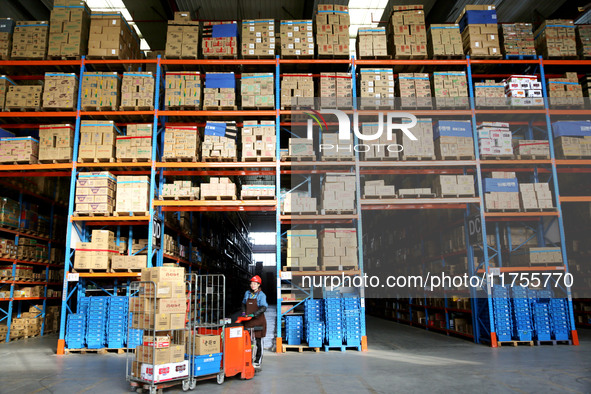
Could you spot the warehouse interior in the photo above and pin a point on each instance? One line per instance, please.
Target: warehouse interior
(181, 143)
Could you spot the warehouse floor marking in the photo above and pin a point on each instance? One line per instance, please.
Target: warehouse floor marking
(414, 359)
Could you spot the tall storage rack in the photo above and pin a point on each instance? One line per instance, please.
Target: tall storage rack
(277, 168)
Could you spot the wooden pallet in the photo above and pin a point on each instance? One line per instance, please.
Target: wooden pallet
(498, 157)
(342, 348)
(138, 108)
(515, 343)
(178, 198)
(58, 109)
(457, 195)
(299, 348)
(539, 209)
(257, 197)
(92, 214)
(339, 267)
(97, 351)
(220, 108)
(300, 213)
(418, 158)
(55, 161)
(376, 107)
(338, 211)
(382, 57)
(410, 57)
(90, 270)
(573, 157)
(532, 157)
(186, 159)
(95, 160)
(235, 57)
(448, 57)
(125, 269)
(472, 56)
(310, 268)
(260, 159)
(332, 56)
(22, 109)
(337, 158)
(220, 159)
(17, 162)
(520, 57)
(136, 213)
(99, 108)
(297, 56)
(378, 197)
(218, 198)
(298, 158)
(554, 342)
(182, 108)
(503, 210)
(258, 57)
(384, 158)
(261, 108)
(408, 195)
(448, 157)
(133, 159)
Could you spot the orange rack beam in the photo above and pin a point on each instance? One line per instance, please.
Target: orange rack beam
(519, 214)
(527, 269)
(110, 274)
(575, 199)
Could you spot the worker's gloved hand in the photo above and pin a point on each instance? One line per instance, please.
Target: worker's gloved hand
(251, 315)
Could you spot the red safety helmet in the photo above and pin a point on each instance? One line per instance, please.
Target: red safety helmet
(257, 279)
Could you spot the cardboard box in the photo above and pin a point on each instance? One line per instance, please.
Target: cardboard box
(112, 37)
(207, 344)
(556, 38)
(182, 38)
(407, 32)
(100, 90)
(60, 90)
(296, 38)
(445, 40)
(183, 89)
(137, 90)
(30, 39)
(257, 90)
(297, 90)
(220, 39)
(518, 39)
(371, 42)
(164, 372)
(24, 96)
(69, 30)
(164, 274)
(332, 27)
(56, 142)
(377, 88)
(19, 149)
(258, 38)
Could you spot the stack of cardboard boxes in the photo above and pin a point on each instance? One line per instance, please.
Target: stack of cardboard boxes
(332, 148)
(531, 149)
(518, 39)
(137, 90)
(97, 140)
(220, 91)
(69, 26)
(299, 202)
(132, 194)
(128, 262)
(5, 83)
(565, 91)
(60, 91)
(535, 196)
(96, 254)
(423, 146)
(335, 90)
(29, 324)
(9, 212)
(8, 247)
(301, 147)
(182, 37)
(572, 139)
(29, 40)
(180, 189)
(339, 248)
(100, 90)
(220, 39)
(332, 30)
(111, 36)
(95, 193)
(297, 38)
(524, 90)
(257, 192)
(378, 189)
(219, 142)
(453, 140)
(494, 139)
(480, 33)
(454, 185)
(302, 249)
(163, 358)
(450, 89)
(490, 93)
(56, 142)
(218, 187)
(382, 148)
(258, 140)
(137, 144)
(297, 90)
(181, 142)
(445, 40)
(183, 90)
(414, 90)
(6, 30)
(501, 192)
(377, 88)
(407, 32)
(583, 41)
(258, 38)
(372, 42)
(19, 150)
(338, 192)
(530, 256)
(257, 90)
(24, 96)
(556, 38)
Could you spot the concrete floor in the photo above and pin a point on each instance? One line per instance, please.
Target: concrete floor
(401, 359)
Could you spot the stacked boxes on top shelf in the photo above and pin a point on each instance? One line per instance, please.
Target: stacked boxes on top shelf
(181, 143)
(333, 315)
(256, 90)
(352, 321)
(335, 90)
(332, 30)
(96, 322)
(314, 322)
(97, 140)
(95, 193)
(56, 142)
(407, 32)
(182, 37)
(450, 89)
(494, 139)
(258, 140)
(219, 143)
(220, 91)
(339, 248)
(294, 329)
(454, 140)
(302, 249)
(518, 40)
(100, 90)
(299, 202)
(6, 31)
(535, 196)
(220, 39)
(338, 193)
(382, 148)
(112, 37)
(136, 145)
(501, 192)
(258, 38)
(24, 97)
(556, 38)
(414, 90)
(183, 90)
(76, 331)
(565, 91)
(445, 40)
(502, 313)
(297, 90)
(19, 150)
(132, 195)
(117, 322)
(423, 146)
(218, 188)
(29, 40)
(583, 41)
(572, 139)
(372, 43)
(69, 26)
(480, 33)
(523, 328)
(137, 91)
(5, 83)
(60, 91)
(377, 88)
(296, 38)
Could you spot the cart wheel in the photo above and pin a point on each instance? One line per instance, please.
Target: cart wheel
(153, 390)
(193, 384)
(221, 378)
(185, 385)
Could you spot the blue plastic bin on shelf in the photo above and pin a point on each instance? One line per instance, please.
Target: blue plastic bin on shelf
(207, 365)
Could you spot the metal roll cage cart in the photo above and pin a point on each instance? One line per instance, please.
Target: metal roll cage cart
(145, 293)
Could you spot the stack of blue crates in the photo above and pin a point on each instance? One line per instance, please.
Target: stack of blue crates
(76, 331)
(294, 328)
(352, 321)
(83, 304)
(117, 322)
(96, 322)
(502, 313)
(559, 319)
(314, 322)
(333, 317)
(136, 338)
(541, 314)
(522, 314)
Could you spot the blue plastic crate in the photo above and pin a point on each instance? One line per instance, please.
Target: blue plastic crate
(207, 365)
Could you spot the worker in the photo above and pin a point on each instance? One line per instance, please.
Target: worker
(254, 305)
